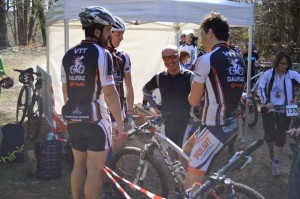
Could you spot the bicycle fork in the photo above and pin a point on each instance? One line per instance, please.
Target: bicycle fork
(143, 164)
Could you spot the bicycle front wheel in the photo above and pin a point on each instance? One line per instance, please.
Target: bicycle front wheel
(126, 162)
(35, 114)
(22, 104)
(241, 191)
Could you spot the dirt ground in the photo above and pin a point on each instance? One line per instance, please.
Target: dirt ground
(256, 175)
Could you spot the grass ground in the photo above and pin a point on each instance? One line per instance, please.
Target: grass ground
(17, 180)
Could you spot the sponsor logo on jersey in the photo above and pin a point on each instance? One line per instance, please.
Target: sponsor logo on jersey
(77, 77)
(78, 67)
(235, 68)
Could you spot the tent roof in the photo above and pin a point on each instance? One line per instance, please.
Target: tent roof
(184, 11)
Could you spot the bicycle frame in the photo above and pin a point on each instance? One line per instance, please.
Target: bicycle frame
(163, 144)
(219, 176)
(259, 75)
(160, 141)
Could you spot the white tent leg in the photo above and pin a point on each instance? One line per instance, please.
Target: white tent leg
(66, 23)
(245, 132)
(47, 49)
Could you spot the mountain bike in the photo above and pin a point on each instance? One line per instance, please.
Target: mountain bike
(218, 185)
(143, 167)
(29, 102)
(252, 116)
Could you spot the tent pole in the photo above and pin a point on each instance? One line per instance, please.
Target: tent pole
(248, 78)
(66, 23)
(47, 49)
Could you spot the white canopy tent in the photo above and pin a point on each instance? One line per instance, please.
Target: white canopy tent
(152, 24)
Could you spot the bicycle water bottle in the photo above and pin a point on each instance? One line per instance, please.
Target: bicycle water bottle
(50, 136)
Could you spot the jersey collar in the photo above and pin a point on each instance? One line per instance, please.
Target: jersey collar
(88, 41)
(220, 45)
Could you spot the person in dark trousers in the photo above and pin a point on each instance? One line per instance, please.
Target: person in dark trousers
(277, 89)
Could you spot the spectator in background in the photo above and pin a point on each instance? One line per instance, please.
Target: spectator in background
(184, 58)
(174, 85)
(190, 47)
(254, 60)
(277, 88)
(233, 47)
(182, 39)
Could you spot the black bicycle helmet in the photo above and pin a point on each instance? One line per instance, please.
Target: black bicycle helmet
(7, 82)
(119, 25)
(96, 15)
(25, 77)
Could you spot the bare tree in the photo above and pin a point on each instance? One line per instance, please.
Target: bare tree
(277, 27)
(3, 28)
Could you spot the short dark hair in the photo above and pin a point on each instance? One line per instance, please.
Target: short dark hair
(279, 56)
(218, 24)
(90, 30)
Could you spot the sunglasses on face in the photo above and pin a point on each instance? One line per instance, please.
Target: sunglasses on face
(172, 57)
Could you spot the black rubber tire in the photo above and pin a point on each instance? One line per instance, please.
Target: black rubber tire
(156, 181)
(22, 105)
(35, 116)
(241, 192)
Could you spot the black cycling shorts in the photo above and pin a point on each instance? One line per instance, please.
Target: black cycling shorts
(86, 136)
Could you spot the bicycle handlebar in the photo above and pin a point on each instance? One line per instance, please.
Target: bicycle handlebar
(136, 129)
(28, 70)
(253, 147)
(232, 162)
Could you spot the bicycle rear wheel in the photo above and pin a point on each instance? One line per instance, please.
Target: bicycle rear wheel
(35, 114)
(22, 105)
(241, 191)
(125, 163)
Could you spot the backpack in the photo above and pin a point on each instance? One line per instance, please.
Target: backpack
(49, 156)
(12, 146)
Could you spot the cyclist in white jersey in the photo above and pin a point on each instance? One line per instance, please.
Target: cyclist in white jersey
(122, 78)
(219, 79)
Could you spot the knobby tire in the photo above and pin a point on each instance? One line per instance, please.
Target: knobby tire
(35, 114)
(125, 163)
(241, 192)
(22, 105)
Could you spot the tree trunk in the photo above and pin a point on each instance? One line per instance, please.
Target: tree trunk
(3, 28)
(42, 18)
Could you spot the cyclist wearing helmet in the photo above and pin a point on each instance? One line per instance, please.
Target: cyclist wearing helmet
(122, 74)
(88, 88)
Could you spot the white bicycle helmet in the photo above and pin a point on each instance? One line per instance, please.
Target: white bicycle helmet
(96, 15)
(119, 25)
